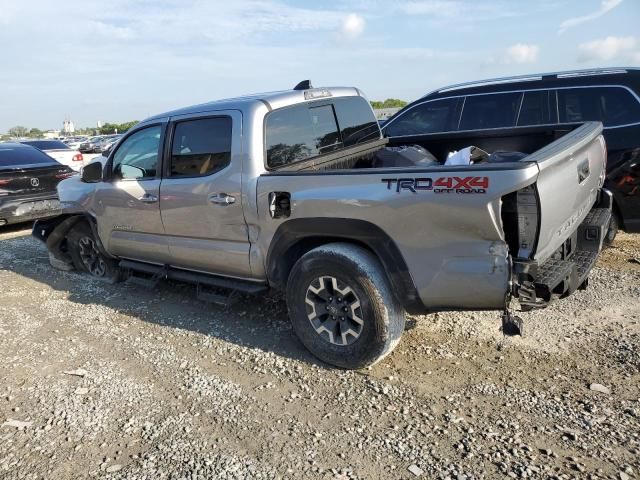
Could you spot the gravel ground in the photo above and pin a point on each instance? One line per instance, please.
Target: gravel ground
(117, 381)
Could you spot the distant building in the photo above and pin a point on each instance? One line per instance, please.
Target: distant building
(99, 124)
(51, 134)
(68, 128)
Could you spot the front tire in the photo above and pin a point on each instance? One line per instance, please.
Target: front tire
(87, 257)
(342, 307)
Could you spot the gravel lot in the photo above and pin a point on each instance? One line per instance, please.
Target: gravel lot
(118, 381)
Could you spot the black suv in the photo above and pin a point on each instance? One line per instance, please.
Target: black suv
(547, 103)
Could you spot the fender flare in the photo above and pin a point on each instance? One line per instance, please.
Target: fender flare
(295, 237)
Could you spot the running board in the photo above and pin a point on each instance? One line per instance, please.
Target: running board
(205, 295)
(161, 272)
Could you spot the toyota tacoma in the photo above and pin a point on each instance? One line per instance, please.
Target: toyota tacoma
(298, 191)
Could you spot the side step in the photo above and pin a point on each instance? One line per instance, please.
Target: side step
(144, 274)
(152, 274)
(206, 295)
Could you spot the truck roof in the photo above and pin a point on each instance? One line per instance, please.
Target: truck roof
(272, 100)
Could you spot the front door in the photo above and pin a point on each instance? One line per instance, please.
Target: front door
(127, 202)
(200, 195)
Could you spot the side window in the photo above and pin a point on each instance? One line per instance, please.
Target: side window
(610, 105)
(536, 109)
(137, 156)
(201, 147)
(490, 111)
(356, 120)
(430, 117)
(300, 132)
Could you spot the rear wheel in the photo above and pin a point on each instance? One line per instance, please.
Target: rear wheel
(341, 306)
(87, 256)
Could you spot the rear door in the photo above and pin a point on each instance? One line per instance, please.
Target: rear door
(127, 202)
(201, 195)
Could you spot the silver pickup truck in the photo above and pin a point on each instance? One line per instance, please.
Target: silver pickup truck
(285, 191)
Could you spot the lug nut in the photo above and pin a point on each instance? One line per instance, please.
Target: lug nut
(345, 309)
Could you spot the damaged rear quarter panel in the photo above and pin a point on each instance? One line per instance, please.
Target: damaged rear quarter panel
(453, 243)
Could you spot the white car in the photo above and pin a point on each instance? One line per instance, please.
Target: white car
(59, 151)
(74, 142)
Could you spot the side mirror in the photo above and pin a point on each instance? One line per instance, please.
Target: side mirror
(92, 173)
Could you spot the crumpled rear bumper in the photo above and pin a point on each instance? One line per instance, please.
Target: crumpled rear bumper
(536, 284)
(24, 208)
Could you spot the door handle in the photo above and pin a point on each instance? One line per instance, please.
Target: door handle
(148, 198)
(222, 199)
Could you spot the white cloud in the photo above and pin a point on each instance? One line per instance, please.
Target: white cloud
(522, 53)
(605, 6)
(459, 11)
(352, 26)
(110, 31)
(445, 8)
(605, 49)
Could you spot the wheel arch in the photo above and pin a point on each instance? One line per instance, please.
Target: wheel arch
(53, 231)
(296, 237)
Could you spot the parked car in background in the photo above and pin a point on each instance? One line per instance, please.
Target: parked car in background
(514, 108)
(74, 142)
(107, 143)
(28, 181)
(59, 151)
(89, 145)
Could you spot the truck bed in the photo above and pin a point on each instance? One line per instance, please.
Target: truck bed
(451, 220)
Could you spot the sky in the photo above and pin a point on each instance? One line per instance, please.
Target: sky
(122, 60)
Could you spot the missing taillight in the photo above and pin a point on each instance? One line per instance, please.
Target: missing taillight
(520, 220)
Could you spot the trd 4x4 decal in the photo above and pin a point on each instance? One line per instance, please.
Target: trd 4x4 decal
(463, 185)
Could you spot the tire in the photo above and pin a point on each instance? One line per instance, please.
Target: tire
(86, 256)
(348, 281)
(612, 231)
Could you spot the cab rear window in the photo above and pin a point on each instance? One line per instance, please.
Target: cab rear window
(304, 131)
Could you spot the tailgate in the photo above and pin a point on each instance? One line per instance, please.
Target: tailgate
(572, 171)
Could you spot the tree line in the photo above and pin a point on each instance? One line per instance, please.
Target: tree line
(389, 103)
(108, 128)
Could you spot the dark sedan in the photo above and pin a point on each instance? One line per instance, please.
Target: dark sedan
(89, 145)
(28, 180)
